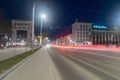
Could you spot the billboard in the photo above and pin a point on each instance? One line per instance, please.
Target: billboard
(98, 27)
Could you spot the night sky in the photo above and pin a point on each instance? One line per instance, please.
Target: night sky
(62, 13)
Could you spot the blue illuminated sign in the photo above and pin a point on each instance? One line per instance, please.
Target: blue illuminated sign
(100, 27)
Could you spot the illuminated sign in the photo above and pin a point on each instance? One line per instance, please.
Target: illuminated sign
(100, 27)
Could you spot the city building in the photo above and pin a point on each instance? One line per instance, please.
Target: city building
(81, 32)
(87, 33)
(105, 35)
(21, 31)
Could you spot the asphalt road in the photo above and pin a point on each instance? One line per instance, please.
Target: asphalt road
(10, 52)
(82, 64)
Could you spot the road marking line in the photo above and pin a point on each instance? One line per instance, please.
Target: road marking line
(95, 67)
(97, 54)
(95, 61)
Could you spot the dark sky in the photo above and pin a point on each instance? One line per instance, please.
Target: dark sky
(62, 13)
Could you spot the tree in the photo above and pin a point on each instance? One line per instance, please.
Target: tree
(5, 28)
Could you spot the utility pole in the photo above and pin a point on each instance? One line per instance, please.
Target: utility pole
(33, 12)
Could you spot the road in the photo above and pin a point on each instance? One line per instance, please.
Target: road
(69, 64)
(9, 52)
(82, 64)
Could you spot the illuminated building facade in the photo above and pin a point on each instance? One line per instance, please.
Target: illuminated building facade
(87, 33)
(105, 36)
(21, 31)
(81, 32)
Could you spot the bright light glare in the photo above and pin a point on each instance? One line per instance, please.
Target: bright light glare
(70, 40)
(43, 16)
(47, 45)
(22, 44)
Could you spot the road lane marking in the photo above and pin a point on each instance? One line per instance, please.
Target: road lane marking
(97, 54)
(94, 67)
(97, 62)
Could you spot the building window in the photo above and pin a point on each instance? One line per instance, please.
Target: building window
(15, 27)
(15, 24)
(28, 24)
(23, 27)
(20, 27)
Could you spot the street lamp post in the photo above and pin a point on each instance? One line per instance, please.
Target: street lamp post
(32, 46)
(42, 17)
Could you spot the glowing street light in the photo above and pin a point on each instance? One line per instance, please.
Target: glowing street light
(43, 16)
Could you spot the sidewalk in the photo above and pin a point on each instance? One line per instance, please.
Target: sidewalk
(8, 53)
(38, 67)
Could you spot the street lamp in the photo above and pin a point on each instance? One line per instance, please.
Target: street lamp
(33, 13)
(42, 17)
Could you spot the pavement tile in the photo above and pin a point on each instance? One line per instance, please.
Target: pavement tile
(38, 67)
